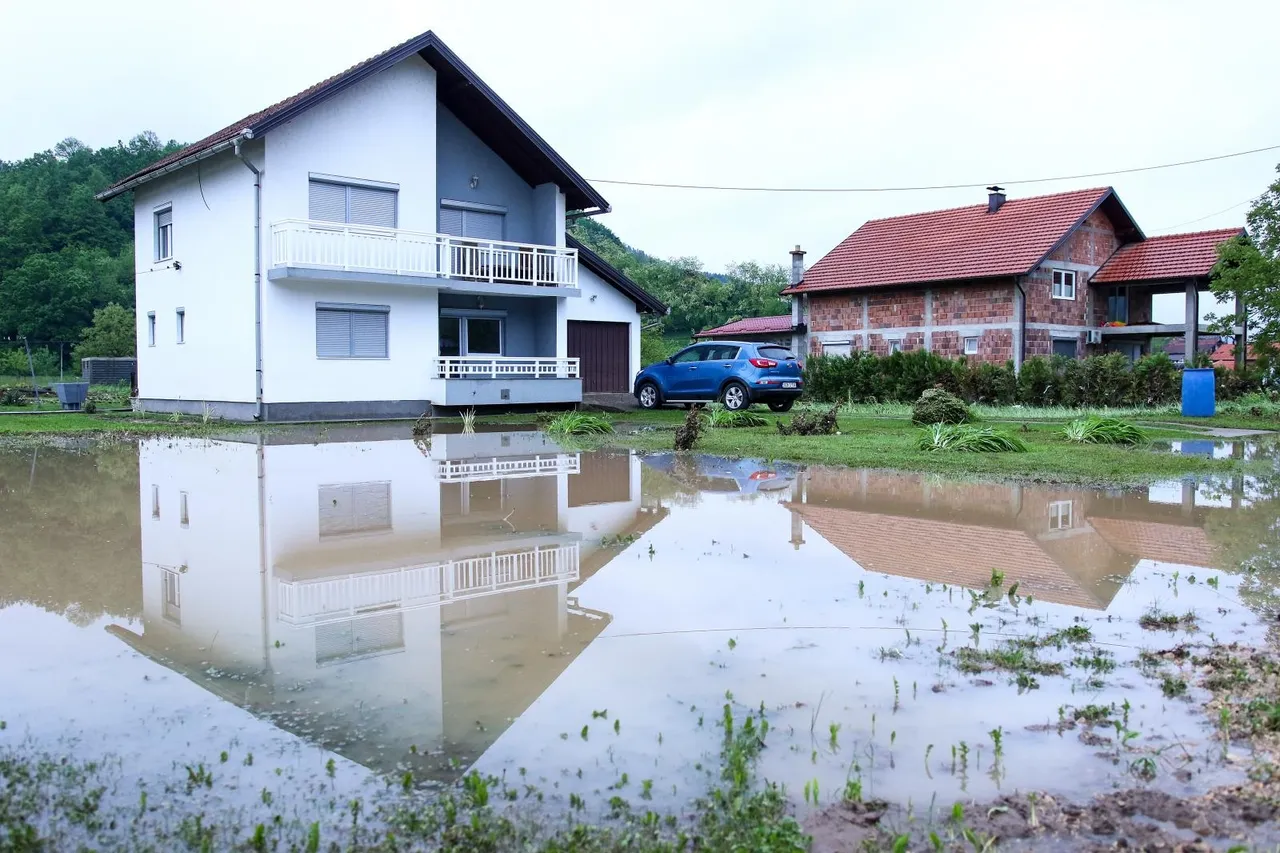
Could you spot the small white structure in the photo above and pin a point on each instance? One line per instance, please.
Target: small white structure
(390, 239)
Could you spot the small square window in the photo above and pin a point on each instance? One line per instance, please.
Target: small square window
(971, 345)
(182, 325)
(151, 329)
(183, 517)
(895, 346)
(164, 234)
(1064, 284)
(1060, 515)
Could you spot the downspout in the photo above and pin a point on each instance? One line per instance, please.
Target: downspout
(247, 133)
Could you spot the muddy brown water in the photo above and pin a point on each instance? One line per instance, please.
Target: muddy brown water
(497, 601)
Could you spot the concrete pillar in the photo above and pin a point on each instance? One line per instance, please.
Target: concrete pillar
(866, 322)
(1242, 339)
(799, 342)
(1019, 311)
(548, 215)
(1191, 322)
(797, 265)
(928, 320)
(1188, 497)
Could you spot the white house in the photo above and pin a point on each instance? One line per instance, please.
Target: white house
(404, 593)
(390, 239)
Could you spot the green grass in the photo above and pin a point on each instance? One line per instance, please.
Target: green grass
(891, 443)
(118, 423)
(968, 439)
(718, 417)
(1103, 430)
(579, 423)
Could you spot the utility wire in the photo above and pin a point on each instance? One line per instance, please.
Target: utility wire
(1207, 216)
(932, 187)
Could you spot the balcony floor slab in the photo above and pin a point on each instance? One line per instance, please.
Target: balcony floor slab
(301, 274)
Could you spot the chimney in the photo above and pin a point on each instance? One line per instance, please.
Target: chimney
(995, 198)
(797, 265)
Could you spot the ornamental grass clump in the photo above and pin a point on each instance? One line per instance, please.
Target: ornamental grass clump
(968, 439)
(579, 423)
(1103, 430)
(718, 417)
(937, 406)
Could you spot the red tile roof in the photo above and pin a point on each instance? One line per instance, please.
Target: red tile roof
(749, 326)
(1224, 355)
(1164, 543)
(961, 243)
(1171, 256)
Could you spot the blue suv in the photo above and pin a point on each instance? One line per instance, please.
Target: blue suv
(735, 373)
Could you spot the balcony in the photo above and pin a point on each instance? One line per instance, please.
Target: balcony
(338, 598)
(364, 250)
(475, 470)
(494, 380)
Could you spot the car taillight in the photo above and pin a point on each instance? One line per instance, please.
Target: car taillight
(763, 362)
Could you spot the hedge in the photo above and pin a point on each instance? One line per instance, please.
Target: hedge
(1102, 380)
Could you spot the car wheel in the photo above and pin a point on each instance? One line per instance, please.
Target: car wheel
(648, 396)
(735, 397)
(781, 406)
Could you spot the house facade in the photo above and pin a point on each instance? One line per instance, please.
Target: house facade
(1067, 274)
(389, 240)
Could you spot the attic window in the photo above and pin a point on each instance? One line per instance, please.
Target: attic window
(1064, 284)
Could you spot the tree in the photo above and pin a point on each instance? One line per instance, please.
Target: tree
(113, 333)
(1248, 269)
(52, 295)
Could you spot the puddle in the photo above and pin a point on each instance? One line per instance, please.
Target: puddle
(264, 606)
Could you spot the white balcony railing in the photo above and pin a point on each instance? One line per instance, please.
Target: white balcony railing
(333, 599)
(472, 470)
(315, 244)
(504, 367)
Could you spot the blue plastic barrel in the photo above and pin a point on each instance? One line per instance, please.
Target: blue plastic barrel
(1198, 398)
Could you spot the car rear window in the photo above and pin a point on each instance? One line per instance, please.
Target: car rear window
(775, 353)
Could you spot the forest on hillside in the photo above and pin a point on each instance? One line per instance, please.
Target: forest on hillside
(65, 257)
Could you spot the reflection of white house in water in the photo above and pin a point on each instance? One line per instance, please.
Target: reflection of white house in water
(374, 595)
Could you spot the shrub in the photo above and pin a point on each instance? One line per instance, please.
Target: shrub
(1039, 384)
(1105, 380)
(1099, 430)
(968, 439)
(991, 384)
(111, 334)
(1155, 381)
(688, 433)
(579, 423)
(721, 418)
(11, 397)
(13, 362)
(937, 406)
(808, 424)
(1234, 384)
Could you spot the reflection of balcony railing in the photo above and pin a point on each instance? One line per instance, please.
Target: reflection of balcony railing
(332, 599)
(332, 245)
(502, 366)
(457, 471)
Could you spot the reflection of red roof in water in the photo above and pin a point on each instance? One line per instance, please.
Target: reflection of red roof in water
(1167, 543)
(963, 554)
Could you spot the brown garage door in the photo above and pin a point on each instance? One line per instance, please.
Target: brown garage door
(604, 350)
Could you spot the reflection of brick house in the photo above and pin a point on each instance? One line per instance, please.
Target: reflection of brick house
(1002, 281)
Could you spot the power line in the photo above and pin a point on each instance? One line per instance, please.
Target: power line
(1207, 216)
(932, 187)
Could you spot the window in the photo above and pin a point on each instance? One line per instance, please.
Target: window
(182, 325)
(354, 204)
(338, 642)
(971, 345)
(836, 348)
(722, 352)
(164, 234)
(354, 508)
(351, 331)
(151, 328)
(470, 335)
(183, 518)
(1065, 347)
(1060, 515)
(691, 355)
(1064, 284)
(895, 346)
(155, 501)
(171, 592)
(776, 353)
(483, 222)
(1118, 305)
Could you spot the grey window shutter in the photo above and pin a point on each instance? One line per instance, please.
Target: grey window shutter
(327, 202)
(164, 217)
(482, 226)
(333, 333)
(368, 334)
(354, 508)
(372, 207)
(451, 221)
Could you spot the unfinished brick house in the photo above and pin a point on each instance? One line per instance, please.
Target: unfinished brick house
(1069, 273)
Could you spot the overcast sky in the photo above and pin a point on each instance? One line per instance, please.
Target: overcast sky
(743, 93)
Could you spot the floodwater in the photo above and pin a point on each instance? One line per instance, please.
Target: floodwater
(266, 605)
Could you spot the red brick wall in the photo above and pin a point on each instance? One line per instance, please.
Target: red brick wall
(1090, 244)
(891, 309)
(835, 312)
(972, 303)
(1040, 342)
(994, 345)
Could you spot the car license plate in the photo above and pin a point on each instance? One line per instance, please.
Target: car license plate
(788, 384)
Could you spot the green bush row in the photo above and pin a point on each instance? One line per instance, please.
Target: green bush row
(13, 362)
(1103, 380)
